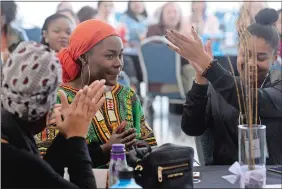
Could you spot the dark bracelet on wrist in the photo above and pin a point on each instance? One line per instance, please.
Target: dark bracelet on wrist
(208, 67)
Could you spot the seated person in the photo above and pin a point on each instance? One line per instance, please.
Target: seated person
(135, 22)
(86, 13)
(31, 78)
(56, 31)
(171, 19)
(279, 28)
(212, 104)
(11, 34)
(93, 55)
(106, 12)
(71, 15)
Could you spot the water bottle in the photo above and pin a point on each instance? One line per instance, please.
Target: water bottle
(117, 162)
(126, 179)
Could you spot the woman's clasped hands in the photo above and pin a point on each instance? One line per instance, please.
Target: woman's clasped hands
(121, 135)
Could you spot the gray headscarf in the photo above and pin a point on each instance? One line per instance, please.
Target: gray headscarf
(31, 77)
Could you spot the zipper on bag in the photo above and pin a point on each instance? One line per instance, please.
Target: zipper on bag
(161, 169)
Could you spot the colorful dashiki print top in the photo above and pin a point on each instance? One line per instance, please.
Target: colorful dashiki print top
(121, 103)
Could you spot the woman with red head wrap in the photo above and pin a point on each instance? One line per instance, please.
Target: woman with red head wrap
(95, 52)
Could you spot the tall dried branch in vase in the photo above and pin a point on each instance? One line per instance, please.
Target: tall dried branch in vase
(247, 93)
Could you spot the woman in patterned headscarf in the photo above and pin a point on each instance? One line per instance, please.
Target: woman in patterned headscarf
(98, 54)
(31, 78)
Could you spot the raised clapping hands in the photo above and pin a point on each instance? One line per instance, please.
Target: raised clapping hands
(52, 119)
(74, 119)
(191, 48)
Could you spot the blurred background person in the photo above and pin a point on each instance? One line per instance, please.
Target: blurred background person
(134, 19)
(64, 5)
(203, 22)
(71, 15)
(10, 32)
(155, 17)
(105, 12)
(170, 19)
(276, 69)
(56, 31)
(279, 29)
(86, 13)
(248, 11)
(206, 24)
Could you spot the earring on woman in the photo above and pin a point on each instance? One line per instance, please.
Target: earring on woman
(81, 74)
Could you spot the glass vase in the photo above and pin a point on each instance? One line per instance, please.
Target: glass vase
(252, 155)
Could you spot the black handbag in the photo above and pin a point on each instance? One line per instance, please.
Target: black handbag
(167, 166)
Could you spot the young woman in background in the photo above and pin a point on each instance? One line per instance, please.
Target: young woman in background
(10, 33)
(56, 31)
(170, 19)
(105, 12)
(134, 20)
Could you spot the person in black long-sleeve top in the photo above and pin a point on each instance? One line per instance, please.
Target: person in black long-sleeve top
(212, 104)
(30, 81)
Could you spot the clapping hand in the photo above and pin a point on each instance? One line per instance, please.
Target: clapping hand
(52, 119)
(191, 48)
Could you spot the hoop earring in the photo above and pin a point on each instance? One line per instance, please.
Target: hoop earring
(81, 73)
(88, 74)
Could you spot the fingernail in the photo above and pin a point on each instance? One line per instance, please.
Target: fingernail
(103, 81)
